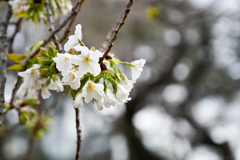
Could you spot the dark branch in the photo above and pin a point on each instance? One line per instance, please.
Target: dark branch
(117, 29)
(4, 49)
(79, 136)
(30, 147)
(67, 31)
(51, 26)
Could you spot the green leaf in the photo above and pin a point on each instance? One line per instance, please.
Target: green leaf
(35, 46)
(15, 67)
(17, 58)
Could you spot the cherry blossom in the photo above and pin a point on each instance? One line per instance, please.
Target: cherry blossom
(137, 68)
(74, 40)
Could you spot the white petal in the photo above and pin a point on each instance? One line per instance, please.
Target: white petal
(78, 31)
(32, 93)
(99, 104)
(72, 41)
(78, 101)
(122, 94)
(21, 91)
(137, 69)
(63, 62)
(76, 59)
(80, 48)
(45, 93)
(92, 90)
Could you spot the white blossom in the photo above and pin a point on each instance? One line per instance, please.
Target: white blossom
(92, 91)
(122, 94)
(110, 99)
(32, 82)
(53, 85)
(137, 69)
(30, 76)
(63, 62)
(72, 78)
(128, 84)
(78, 101)
(88, 61)
(45, 93)
(56, 84)
(18, 5)
(73, 40)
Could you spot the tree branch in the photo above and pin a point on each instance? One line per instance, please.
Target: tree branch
(117, 29)
(67, 31)
(51, 26)
(4, 49)
(30, 147)
(42, 45)
(79, 136)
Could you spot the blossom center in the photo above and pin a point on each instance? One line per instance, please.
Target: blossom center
(90, 87)
(87, 59)
(66, 59)
(32, 72)
(72, 76)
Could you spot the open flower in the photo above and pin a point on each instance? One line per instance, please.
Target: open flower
(63, 62)
(31, 83)
(122, 94)
(88, 61)
(19, 5)
(137, 68)
(128, 84)
(74, 40)
(55, 84)
(72, 78)
(110, 99)
(92, 91)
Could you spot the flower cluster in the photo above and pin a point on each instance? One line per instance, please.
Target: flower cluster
(82, 74)
(35, 10)
(40, 75)
(103, 84)
(33, 82)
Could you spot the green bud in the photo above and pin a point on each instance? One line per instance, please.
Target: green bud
(31, 101)
(26, 116)
(38, 127)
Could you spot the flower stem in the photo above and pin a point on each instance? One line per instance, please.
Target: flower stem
(79, 133)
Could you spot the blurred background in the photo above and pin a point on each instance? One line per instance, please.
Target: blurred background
(185, 105)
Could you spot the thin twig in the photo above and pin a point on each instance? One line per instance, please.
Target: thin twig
(73, 12)
(30, 147)
(116, 31)
(79, 136)
(4, 49)
(51, 26)
(11, 39)
(67, 31)
(110, 34)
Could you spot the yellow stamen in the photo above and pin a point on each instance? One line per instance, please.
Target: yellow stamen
(90, 87)
(66, 59)
(92, 48)
(72, 76)
(86, 59)
(32, 72)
